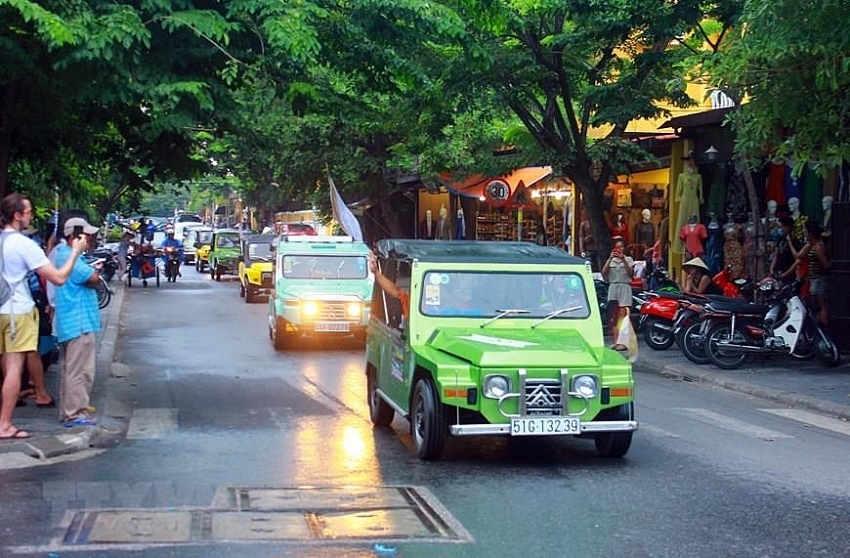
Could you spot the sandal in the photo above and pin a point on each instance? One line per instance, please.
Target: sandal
(17, 434)
(49, 405)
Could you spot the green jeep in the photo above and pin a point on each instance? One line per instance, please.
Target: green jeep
(322, 286)
(225, 251)
(501, 338)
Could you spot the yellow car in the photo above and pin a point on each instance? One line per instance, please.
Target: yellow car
(199, 239)
(256, 267)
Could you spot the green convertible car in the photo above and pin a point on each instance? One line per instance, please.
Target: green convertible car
(500, 338)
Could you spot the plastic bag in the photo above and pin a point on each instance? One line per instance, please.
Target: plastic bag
(627, 337)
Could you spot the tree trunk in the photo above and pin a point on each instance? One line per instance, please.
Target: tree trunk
(759, 271)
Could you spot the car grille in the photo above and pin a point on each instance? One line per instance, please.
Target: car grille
(330, 311)
(266, 279)
(543, 397)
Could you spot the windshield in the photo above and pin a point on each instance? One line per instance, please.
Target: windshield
(189, 218)
(324, 267)
(204, 237)
(487, 294)
(227, 241)
(259, 251)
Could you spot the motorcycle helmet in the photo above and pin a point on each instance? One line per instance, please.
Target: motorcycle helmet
(169, 230)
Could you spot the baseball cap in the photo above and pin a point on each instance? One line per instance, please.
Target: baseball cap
(79, 222)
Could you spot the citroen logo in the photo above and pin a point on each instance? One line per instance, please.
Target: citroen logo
(540, 396)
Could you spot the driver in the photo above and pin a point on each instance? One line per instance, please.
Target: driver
(171, 242)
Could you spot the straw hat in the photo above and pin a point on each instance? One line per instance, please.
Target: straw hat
(696, 262)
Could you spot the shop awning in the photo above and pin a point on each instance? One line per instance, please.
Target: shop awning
(473, 186)
(703, 118)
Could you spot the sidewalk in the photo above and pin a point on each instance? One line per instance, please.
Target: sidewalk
(49, 437)
(803, 384)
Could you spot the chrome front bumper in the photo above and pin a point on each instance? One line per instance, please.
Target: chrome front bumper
(501, 429)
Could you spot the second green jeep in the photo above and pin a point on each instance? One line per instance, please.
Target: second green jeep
(500, 338)
(322, 287)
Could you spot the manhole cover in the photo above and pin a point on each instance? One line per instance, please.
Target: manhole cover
(298, 515)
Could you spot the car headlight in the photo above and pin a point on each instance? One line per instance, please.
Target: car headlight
(310, 308)
(586, 386)
(496, 386)
(353, 309)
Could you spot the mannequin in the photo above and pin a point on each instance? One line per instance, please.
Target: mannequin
(620, 228)
(444, 228)
(460, 226)
(693, 235)
(827, 216)
(645, 231)
(688, 196)
(798, 231)
(426, 228)
(772, 230)
(714, 245)
(733, 252)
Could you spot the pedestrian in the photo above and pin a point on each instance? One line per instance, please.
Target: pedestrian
(814, 254)
(77, 322)
(123, 248)
(783, 264)
(618, 271)
(19, 329)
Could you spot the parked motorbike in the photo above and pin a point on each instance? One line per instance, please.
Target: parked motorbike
(666, 315)
(782, 326)
(110, 262)
(172, 263)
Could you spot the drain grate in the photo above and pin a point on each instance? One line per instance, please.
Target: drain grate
(298, 515)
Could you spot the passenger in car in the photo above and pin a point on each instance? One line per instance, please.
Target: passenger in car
(389, 286)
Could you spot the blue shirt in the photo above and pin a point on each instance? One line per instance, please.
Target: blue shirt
(76, 304)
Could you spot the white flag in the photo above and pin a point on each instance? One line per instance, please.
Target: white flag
(343, 215)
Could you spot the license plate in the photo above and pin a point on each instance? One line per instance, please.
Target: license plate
(331, 326)
(545, 426)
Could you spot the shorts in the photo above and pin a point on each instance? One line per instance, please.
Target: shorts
(818, 286)
(26, 332)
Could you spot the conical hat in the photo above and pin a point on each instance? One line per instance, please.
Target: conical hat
(696, 262)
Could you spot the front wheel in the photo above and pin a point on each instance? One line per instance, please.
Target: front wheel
(249, 294)
(724, 356)
(379, 411)
(104, 295)
(826, 349)
(693, 344)
(427, 421)
(656, 336)
(614, 444)
(279, 336)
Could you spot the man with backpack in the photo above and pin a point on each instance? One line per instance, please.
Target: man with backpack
(18, 314)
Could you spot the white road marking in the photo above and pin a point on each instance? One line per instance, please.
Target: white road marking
(150, 424)
(733, 425)
(813, 419)
(653, 430)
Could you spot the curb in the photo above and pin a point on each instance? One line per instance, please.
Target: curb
(785, 397)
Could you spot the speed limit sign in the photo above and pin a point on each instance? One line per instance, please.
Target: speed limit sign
(497, 192)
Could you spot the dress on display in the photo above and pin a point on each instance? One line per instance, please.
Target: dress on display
(798, 229)
(736, 196)
(793, 184)
(776, 183)
(811, 203)
(693, 236)
(733, 252)
(750, 250)
(714, 249)
(689, 197)
(621, 230)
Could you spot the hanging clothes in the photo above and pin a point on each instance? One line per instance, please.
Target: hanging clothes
(811, 203)
(750, 250)
(793, 185)
(736, 196)
(693, 236)
(714, 248)
(776, 183)
(733, 252)
(460, 226)
(689, 197)
(717, 192)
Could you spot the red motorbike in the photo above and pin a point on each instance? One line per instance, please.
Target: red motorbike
(666, 313)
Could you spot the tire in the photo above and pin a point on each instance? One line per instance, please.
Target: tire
(249, 295)
(728, 358)
(157, 276)
(279, 336)
(104, 295)
(212, 270)
(218, 273)
(694, 350)
(655, 337)
(825, 347)
(427, 421)
(614, 444)
(129, 279)
(241, 290)
(198, 266)
(380, 412)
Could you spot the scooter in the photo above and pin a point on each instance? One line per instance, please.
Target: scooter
(666, 314)
(172, 263)
(782, 326)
